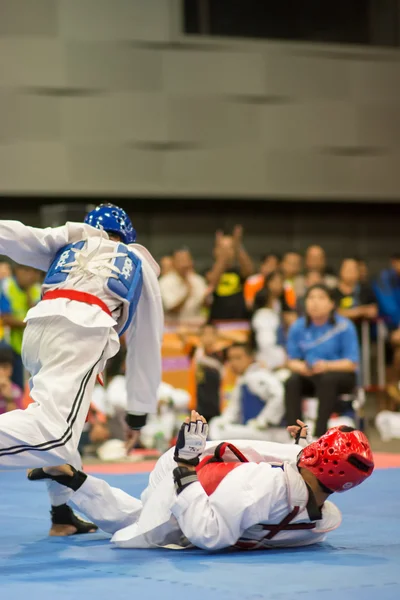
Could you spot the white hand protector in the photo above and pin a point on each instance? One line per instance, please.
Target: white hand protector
(191, 442)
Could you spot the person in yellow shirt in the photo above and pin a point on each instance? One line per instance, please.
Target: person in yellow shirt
(18, 294)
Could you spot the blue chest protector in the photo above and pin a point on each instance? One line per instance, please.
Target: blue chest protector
(128, 286)
(125, 283)
(59, 268)
(251, 404)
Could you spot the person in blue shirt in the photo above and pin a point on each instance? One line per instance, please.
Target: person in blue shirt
(387, 292)
(323, 356)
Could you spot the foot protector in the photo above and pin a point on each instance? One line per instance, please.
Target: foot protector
(64, 515)
(74, 482)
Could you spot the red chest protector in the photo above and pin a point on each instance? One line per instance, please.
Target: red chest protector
(212, 469)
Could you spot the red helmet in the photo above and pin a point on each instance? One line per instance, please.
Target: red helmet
(341, 459)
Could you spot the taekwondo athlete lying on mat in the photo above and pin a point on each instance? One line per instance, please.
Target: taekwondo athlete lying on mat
(253, 495)
(99, 284)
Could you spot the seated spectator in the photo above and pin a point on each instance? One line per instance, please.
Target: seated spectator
(160, 428)
(388, 425)
(166, 265)
(311, 278)
(353, 299)
(254, 283)
(18, 294)
(95, 431)
(267, 322)
(323, 354)
(183, 291)
(256, 401)
(11, 395)
(387, 292)
(5, 269)
(290, 267)
(315, 260)
(231, 269)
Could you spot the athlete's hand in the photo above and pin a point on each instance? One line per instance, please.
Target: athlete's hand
(191, 440)
(299, 430)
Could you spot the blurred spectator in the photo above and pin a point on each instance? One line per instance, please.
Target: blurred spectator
(231, 268)
(160, 428)
(267, 322)
(166, 265)
(315, 260)
(206, 373)
(10, 393)
(18, 294)
(5, 269)
(311, 278)
(256, 401)
(388, 425)
(363, 271)
(323, 356)
(183, 291)
(269, 264)
(353, 299)
(387, 291)
(290, 267)
(95, 431)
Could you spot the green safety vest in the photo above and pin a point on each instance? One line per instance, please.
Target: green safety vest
(20, 305)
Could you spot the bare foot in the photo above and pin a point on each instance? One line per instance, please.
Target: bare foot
(62, 530)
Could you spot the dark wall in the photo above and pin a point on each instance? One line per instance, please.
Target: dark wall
(367, 230)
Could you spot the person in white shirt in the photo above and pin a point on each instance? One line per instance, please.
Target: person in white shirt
(159, 428)
(183, 291)
(248, 496)
(256, 402)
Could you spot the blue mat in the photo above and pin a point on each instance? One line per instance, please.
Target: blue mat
(359, 560)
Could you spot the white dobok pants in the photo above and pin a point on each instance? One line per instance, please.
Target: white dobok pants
(113, 509)
(64, 360)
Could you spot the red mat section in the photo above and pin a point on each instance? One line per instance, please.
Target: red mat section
(120, 468)
(383, 460)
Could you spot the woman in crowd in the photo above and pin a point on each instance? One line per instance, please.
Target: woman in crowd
(323, 356)
(268, 322)
(355, 300)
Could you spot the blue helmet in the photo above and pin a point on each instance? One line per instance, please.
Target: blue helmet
(113, 219)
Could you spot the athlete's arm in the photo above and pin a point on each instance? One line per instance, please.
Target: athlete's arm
(31, 246)
(143, 360)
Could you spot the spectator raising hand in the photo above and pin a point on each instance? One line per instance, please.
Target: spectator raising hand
(227, 276)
